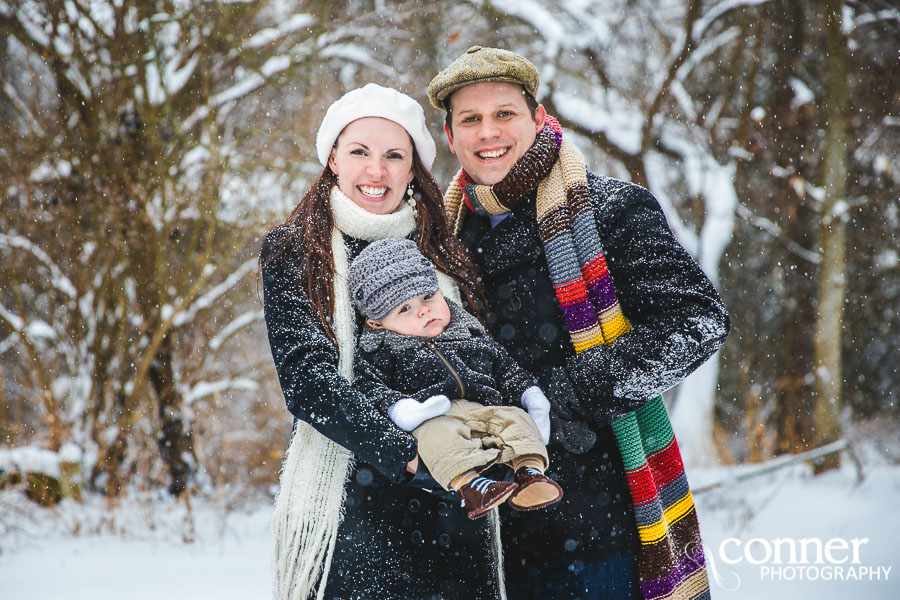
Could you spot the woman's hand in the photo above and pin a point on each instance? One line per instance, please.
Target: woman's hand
(413, 465)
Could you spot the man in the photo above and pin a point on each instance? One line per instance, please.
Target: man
(590, 291)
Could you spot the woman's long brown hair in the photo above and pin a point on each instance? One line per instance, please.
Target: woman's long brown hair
(307, 239)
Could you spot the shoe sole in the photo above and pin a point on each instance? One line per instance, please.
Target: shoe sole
(496, 503)
(537, 495)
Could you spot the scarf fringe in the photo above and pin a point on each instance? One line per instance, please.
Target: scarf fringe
(306, 514)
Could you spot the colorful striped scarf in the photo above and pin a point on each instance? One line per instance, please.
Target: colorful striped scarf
(670, 561)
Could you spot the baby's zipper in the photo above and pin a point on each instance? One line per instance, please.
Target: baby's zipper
(462, 388)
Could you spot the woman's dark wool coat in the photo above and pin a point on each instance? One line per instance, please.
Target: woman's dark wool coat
(678, 322)
(395, 541)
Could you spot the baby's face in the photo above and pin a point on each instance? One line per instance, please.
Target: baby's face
(422, 316)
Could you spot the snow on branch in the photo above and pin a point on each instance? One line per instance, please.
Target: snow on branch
(16, 322)
(851, 25)
(20, 105)
(236, 325)
(620, 121)
(541, 19)
(207, 388)
(772, 229)
(28, 333)
(34, 459)
(243, 87)
(32, 22)
(269, 35)
(358, 54)
(173, 78)
(711, 15)
(782, 461)
(57, 278)
(249, 83)
(704, 50)
(207, 299)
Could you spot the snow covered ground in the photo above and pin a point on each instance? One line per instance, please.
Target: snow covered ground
(131, 553)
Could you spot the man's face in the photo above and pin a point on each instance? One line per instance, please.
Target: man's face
(492, 128)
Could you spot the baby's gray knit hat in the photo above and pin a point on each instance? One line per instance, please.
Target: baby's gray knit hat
(387, 273)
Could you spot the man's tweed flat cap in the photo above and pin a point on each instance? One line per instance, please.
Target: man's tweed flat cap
(478, 65)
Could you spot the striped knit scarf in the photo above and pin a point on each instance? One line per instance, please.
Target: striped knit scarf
(670, 561)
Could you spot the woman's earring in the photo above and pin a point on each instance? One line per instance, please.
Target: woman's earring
(411, 200)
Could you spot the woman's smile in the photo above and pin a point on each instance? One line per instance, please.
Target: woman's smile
(373, 161)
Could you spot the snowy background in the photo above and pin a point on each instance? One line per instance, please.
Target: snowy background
(130, 552)
(145, 147)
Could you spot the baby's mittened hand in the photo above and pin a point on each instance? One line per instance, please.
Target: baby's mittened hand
(538, 407)
(409, 413)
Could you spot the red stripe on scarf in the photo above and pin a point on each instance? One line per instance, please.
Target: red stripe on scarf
(660, 469)
(666, 464)
(595, 269)
(642, 486)
(571, 292)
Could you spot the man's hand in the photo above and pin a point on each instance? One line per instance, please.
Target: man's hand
(409, 413)
(538, 407)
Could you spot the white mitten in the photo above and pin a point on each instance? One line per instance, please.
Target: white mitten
(409, 413)
(538, 407)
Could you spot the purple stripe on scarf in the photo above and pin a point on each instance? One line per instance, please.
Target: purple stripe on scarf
(579, 315)
(684, 568)
(602, 293)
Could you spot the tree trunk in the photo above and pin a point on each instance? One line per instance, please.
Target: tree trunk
(794, 276)
(176, 442)
(833, 240)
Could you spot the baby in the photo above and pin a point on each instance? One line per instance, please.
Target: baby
(417, 351)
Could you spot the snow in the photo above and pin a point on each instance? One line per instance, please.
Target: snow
(206, 388)
(149, 558)
(618, 120)
(28, 459)
(40, 329)
(692, 417)
(716, 11)
(802, 93)
(158, 549)
(207, 299)
(57, 278)
(355, 53)
(272, 34)
(233, 327)
(887, 259)
(791, 505)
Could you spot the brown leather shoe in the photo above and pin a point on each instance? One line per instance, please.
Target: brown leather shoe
(536, 490)
(483, 494)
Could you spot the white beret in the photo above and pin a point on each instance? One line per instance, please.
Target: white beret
(373, 100)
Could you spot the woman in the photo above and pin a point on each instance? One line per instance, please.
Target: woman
(346, 524)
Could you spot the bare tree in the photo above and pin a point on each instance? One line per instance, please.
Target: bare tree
(832, 241)
(116, 226)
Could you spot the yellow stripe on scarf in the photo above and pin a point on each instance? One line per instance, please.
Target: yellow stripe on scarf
(655, 532)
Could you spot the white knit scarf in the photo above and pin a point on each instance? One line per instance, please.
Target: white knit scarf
(310, 501)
